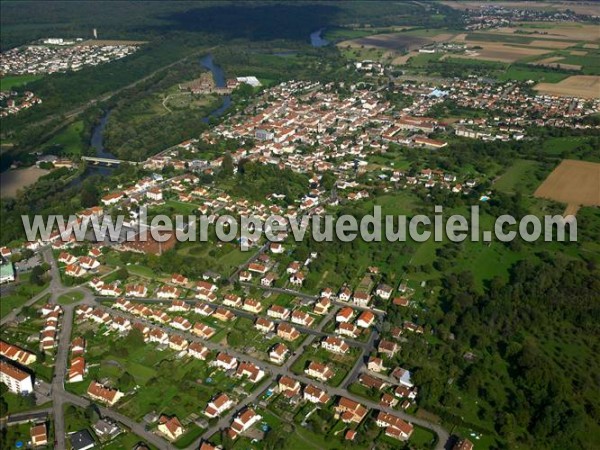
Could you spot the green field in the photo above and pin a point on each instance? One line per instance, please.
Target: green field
(14, 81)
(520, 177)
(70, 140)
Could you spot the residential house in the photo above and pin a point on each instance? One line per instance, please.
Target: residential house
(104, 394)
(350, 411)
(335, 345)
(224, 361)
(388, 348)
(302, 318)
(289, 387)
(278, 353)
(366, 319)
(198, 351)
(287, 332)
(218, 405)
(170, 427)
(264, 325)
(319, 371)
(315, 395)
(278, 312)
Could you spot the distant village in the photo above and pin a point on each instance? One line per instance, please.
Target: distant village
(56, 55)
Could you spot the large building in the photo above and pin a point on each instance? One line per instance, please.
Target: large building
(17, 380)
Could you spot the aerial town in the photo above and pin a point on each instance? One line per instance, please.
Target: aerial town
(253, 343)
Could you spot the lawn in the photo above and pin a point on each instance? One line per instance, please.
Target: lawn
(10, 82)
(70, 139)
(71, 297)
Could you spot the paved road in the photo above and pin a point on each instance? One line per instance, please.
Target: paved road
(61, 397)
(278, 371)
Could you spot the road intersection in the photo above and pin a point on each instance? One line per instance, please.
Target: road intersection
(61, 397)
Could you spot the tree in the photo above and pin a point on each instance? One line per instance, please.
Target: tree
(37, 276)
(92, 413)
(227, 165)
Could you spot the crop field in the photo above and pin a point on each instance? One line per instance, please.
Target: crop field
(492, 51)
(587, 86)
(576, 183)
(393, 44)
(553, 31)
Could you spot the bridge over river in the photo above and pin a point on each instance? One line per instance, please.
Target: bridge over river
(107, 161)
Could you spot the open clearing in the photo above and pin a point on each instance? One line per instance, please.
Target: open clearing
(576, 183)
(586, 86)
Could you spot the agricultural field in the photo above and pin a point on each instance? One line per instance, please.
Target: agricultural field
(576, 183)
(586, 86)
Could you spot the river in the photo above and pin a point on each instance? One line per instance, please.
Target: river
(316, 38)
(97, 139)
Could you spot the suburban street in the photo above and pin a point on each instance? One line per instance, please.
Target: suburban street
(61, 398)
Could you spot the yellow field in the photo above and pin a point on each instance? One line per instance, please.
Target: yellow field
(559, 31)
(576, 183)
(585, 86)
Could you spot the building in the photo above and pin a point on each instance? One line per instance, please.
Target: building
(278, 312)
(388, 348)
(264, 325)
(335, 345)
(106, 395)
(225, 361)
(243, 421)
(344, 315)
(17, 380)
(350, 411)
(278, 353)
(7, 272)
(16, 354)
(170, 427)
(39, 435)
(218, 405)
(287, 332)
(252, 371)
(395, 426)
(198, 351)
(289, 387)
(319, 371)
(463, 444)
(82, 440)
(366, 319)
(315, 395)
